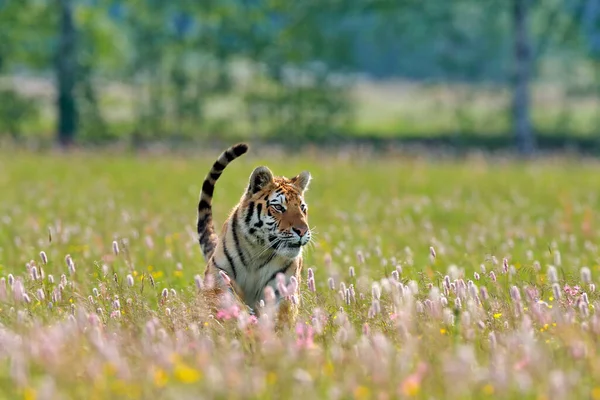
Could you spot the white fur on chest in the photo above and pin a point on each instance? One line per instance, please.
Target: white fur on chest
(253, 279)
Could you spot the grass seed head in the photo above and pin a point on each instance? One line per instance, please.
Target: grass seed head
(311, 284)
(360, 257)
(44, 257)
(483, 292)
(515, 294)
(115, 247)
(492, 340)
(586, 275)
(556, 291)
(70, 264)
(331, 283)
(557, 258)
(432, 254)
(130, 280)
(376, 291)
(198, 282)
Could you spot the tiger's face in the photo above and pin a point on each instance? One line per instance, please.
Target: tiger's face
(276, 213)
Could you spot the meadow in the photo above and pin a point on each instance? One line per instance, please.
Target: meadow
(434, 278)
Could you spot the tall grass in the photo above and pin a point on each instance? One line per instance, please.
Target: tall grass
(426, 279)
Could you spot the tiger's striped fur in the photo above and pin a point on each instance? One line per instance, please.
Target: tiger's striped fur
(263, 235)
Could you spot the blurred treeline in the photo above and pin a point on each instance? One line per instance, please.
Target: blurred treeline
(101, 70)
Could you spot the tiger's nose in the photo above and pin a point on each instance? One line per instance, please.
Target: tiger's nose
(300, 230)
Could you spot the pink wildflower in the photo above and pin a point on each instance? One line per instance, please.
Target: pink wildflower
(411, 384)
(304, 336)
(225, 277)
(233, 311)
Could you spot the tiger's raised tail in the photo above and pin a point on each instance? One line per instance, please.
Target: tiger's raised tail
(206, 231)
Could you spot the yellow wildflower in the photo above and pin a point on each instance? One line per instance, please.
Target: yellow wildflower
(185, 374)
(596, 393)
(488, 390)
(109, 369)
(160, 378)
(271, 378)
(178, 273)
(410, 388)
(29, 394)
(497, 315)
(442, 331)
(328, 369)
(157, 274)
(362, 392)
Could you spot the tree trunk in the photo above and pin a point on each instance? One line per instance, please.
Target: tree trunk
(522, 71)
(66, 66)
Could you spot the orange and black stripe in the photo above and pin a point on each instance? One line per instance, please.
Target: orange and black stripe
(206, 231)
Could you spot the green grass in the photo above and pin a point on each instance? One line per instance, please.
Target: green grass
(390, 209)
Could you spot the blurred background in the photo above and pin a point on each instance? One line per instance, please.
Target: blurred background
(515, 74)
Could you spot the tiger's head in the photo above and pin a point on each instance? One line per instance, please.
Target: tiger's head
(275, 212)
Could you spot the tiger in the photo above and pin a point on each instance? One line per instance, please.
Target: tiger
(261, 240)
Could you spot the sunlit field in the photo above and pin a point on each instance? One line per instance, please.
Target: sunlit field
(433, 279)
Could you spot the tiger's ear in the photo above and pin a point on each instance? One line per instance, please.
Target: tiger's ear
(302, 180)
(260, 177)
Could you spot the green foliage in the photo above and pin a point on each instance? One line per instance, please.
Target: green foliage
(153, 70)
(15, 111)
